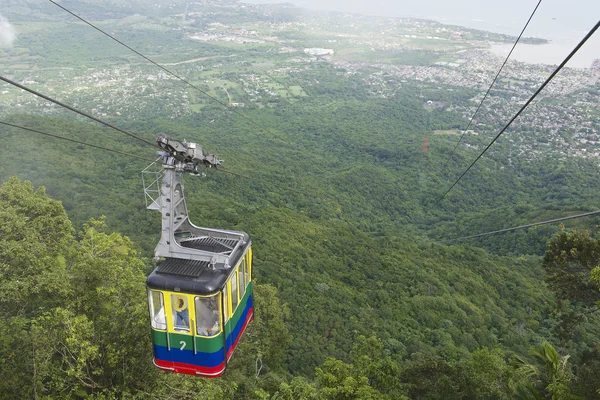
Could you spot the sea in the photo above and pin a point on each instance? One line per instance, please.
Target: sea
(562, 22)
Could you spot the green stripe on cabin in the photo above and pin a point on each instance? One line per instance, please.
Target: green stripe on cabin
(159, 338)
(203, 344)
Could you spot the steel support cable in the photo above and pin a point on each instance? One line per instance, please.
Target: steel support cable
(142, 158)
(581, 43)
(171, 73)
(493, 82)
(76, 111)
(75, 141)
(524, 226)
(193, 86)
(259, 180)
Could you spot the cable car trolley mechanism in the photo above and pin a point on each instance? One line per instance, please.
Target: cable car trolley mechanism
(200, 293)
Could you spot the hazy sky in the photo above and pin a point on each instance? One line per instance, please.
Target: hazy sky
(554, 18)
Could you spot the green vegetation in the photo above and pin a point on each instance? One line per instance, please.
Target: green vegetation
(74, 325)
(345, 272)
(357, 297)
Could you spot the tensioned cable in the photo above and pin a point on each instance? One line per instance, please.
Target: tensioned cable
(493, 82)
(259, 180)
(75, 141)
(139, 157)
(170, 72)
(581, 43)
(525, 226)
(76, 111)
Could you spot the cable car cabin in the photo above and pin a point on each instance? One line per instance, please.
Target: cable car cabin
(200, 294)
(198, 311)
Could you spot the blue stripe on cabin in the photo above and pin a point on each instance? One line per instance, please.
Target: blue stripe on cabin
(237, 330)
(188, 357)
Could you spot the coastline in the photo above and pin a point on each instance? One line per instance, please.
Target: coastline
(552, 53)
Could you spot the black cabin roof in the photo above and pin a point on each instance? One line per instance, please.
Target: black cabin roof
(196, 276)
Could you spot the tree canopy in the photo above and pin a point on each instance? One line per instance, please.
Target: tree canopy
(74, 325)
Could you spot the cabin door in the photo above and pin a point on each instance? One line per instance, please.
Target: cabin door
(180, 329)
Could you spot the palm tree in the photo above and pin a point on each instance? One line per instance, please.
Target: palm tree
(549, 371)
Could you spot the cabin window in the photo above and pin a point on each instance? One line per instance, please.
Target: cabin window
(157, 310)
(234, 291)
(226, 306)
(208, 311)
(242, 278)
(181, 315)
(248, 265)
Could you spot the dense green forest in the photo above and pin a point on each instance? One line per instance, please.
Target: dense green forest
(389, 318)
(360, 294)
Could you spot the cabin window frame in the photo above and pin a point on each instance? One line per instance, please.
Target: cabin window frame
(219, 321)
(153, 314)
(226, 302)
(234, 291)
(249, 266)
(242, 284)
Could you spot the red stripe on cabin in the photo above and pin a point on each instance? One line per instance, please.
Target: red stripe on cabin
(191, 369)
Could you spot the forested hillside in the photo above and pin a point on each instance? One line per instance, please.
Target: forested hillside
(359, 294)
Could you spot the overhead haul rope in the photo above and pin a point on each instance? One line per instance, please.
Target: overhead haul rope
(76, 111)
(75, 141)
(171, 73)
(581, 43)
(142, 158)
(490, 88)
(259, 180)
(525, 226)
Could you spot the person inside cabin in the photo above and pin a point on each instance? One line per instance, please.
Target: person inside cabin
(207, 316)
(182, 317)
(213, 330)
